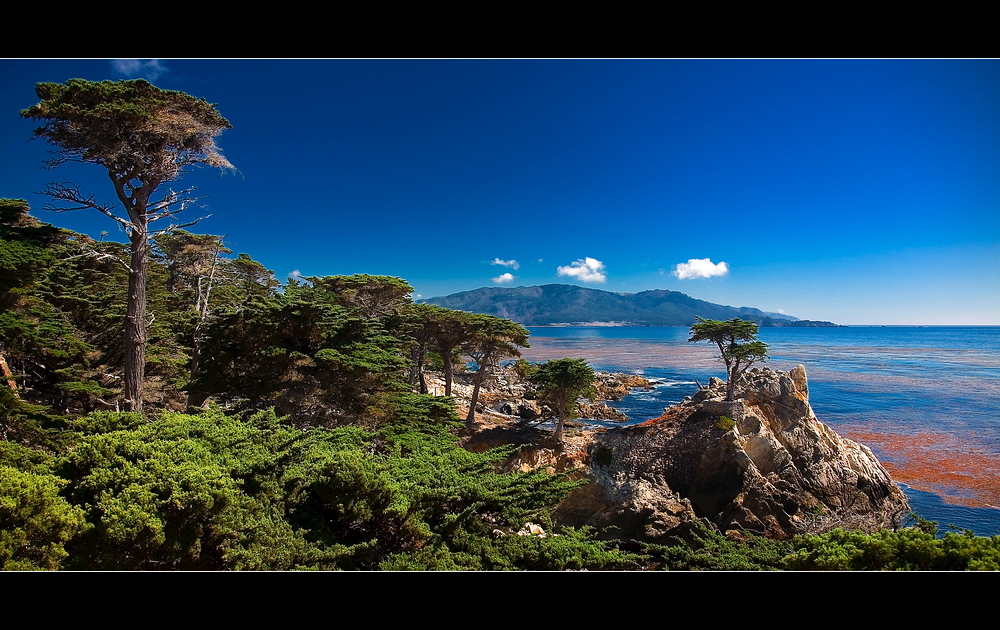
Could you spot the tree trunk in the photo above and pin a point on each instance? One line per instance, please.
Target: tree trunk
(470, 420)
(413, 367)
(561, 423)
(417, 371)
(734, 375)
(196, 398)
(447, 371)
(135, 319)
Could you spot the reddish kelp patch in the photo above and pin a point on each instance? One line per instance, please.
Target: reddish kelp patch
(625, 353)
(956, 469)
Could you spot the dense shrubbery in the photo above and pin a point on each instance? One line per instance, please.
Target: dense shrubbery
(908, 549)
(210, 491)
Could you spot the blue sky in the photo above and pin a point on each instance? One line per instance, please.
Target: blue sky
(855, 191)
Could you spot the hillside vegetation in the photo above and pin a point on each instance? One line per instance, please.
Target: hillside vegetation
(568, 304)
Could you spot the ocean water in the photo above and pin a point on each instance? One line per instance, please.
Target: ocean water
(926, 400)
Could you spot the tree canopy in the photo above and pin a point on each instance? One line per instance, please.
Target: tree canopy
(372, 296)
(560, 382)
(132, 128)
(737, 342)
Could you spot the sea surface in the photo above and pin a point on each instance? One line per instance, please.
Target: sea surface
(926, 400)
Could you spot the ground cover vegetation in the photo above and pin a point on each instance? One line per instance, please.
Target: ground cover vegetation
(276, 427)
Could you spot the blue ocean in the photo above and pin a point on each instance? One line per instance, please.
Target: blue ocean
(926, 400)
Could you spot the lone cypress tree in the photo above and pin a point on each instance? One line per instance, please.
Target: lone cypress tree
(737, 342)
(144, 137)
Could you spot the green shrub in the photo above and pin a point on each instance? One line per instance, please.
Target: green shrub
(910, 549)
(708, 550)
(35, 522)
(725, 423)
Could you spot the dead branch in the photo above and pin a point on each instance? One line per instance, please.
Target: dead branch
(68, 193)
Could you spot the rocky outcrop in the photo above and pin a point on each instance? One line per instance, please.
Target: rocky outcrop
(599, 411)
(616, 385)
(762, 463)
(505, 394)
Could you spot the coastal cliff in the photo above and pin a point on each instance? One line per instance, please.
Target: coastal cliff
(762, 463)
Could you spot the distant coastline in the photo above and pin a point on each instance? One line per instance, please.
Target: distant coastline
(570, 305)
(587, 325)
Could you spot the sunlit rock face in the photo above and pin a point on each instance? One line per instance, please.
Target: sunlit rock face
(762, 463)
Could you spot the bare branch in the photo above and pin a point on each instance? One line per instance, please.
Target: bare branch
(171, 198)
(96, 255)
(172, 227)
(69, 193)
(169, 213)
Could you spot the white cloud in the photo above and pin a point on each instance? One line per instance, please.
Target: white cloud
(504, 277)
(586, 270)
(700, 268)
(295, 275)
(507, 263)
(150, 69)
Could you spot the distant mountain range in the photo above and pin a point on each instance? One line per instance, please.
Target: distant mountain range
(567, 304)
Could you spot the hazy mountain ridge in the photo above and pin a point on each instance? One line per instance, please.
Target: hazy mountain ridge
(564, 303)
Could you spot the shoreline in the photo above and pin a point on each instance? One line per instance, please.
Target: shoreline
(924, 399)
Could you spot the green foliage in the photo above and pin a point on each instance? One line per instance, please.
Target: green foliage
(446, 331)
(708, 550)
(25, 458)
(570, 550)
(36, 337)
(524, 369)
(28, 424)
(23, 245)
(303, 353)
(98, 422)
(35, 522)
(909, 549)
(915, 548)
(560, 382)
(144, 137)
(118, 123)
(725, 423)
(491, 339)
(213, 492)
(210, 491)
(563, 380)
(371, 296)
